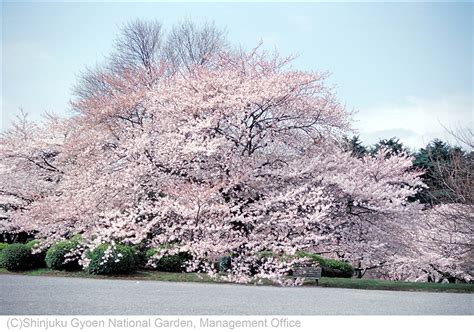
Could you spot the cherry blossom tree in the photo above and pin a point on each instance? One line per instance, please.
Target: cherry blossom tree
(445, 232)
(31, 163)
(236, 157)
(237, 154)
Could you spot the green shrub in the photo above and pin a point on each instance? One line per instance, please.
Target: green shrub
(150, 253)
(168, 263)
(337, 269)
(173, 263)
(112, 259)
(56, 255)
(2, 246)
(146, 255)
(312, 256)
(331, 268)
(17, 257)
(32, 243)
(139, 253)
(38, 258)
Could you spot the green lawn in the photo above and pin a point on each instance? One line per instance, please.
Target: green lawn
(323, 282)
(139, 275)
(395, 285)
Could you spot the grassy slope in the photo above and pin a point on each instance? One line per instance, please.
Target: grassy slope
(324, 282)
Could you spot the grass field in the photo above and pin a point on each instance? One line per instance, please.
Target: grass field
(323, 282)
(395, 285)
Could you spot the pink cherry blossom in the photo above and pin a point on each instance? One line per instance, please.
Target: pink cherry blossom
(236, 157)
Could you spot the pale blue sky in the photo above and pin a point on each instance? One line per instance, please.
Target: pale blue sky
(405, 68)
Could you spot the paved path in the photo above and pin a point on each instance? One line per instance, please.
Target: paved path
(75, 296)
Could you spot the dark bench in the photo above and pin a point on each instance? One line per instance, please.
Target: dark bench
(308, 272)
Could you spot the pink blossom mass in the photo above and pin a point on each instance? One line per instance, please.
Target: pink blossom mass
(236, 155)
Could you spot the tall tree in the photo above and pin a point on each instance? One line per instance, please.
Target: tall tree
(448, 173)
(236, 153)
(238, 157)
(355, 145)
(392, 145)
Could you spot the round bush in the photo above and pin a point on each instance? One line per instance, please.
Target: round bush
(111, 259)
(17, 257)
(56, 256)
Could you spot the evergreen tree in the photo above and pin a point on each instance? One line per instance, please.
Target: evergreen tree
(355, 145)
(393, 145)
(446, 169)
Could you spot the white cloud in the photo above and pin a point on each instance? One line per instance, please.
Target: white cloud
(416, 121)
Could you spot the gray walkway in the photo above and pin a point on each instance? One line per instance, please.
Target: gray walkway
(75, 296)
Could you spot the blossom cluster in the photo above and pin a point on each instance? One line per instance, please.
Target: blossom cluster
(237, 156)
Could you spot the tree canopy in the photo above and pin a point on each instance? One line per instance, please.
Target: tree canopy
(212, 151)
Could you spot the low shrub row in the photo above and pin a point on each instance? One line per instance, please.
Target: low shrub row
(123, 259)
(104, 259)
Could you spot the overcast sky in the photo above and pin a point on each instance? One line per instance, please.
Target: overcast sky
(406, 69)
